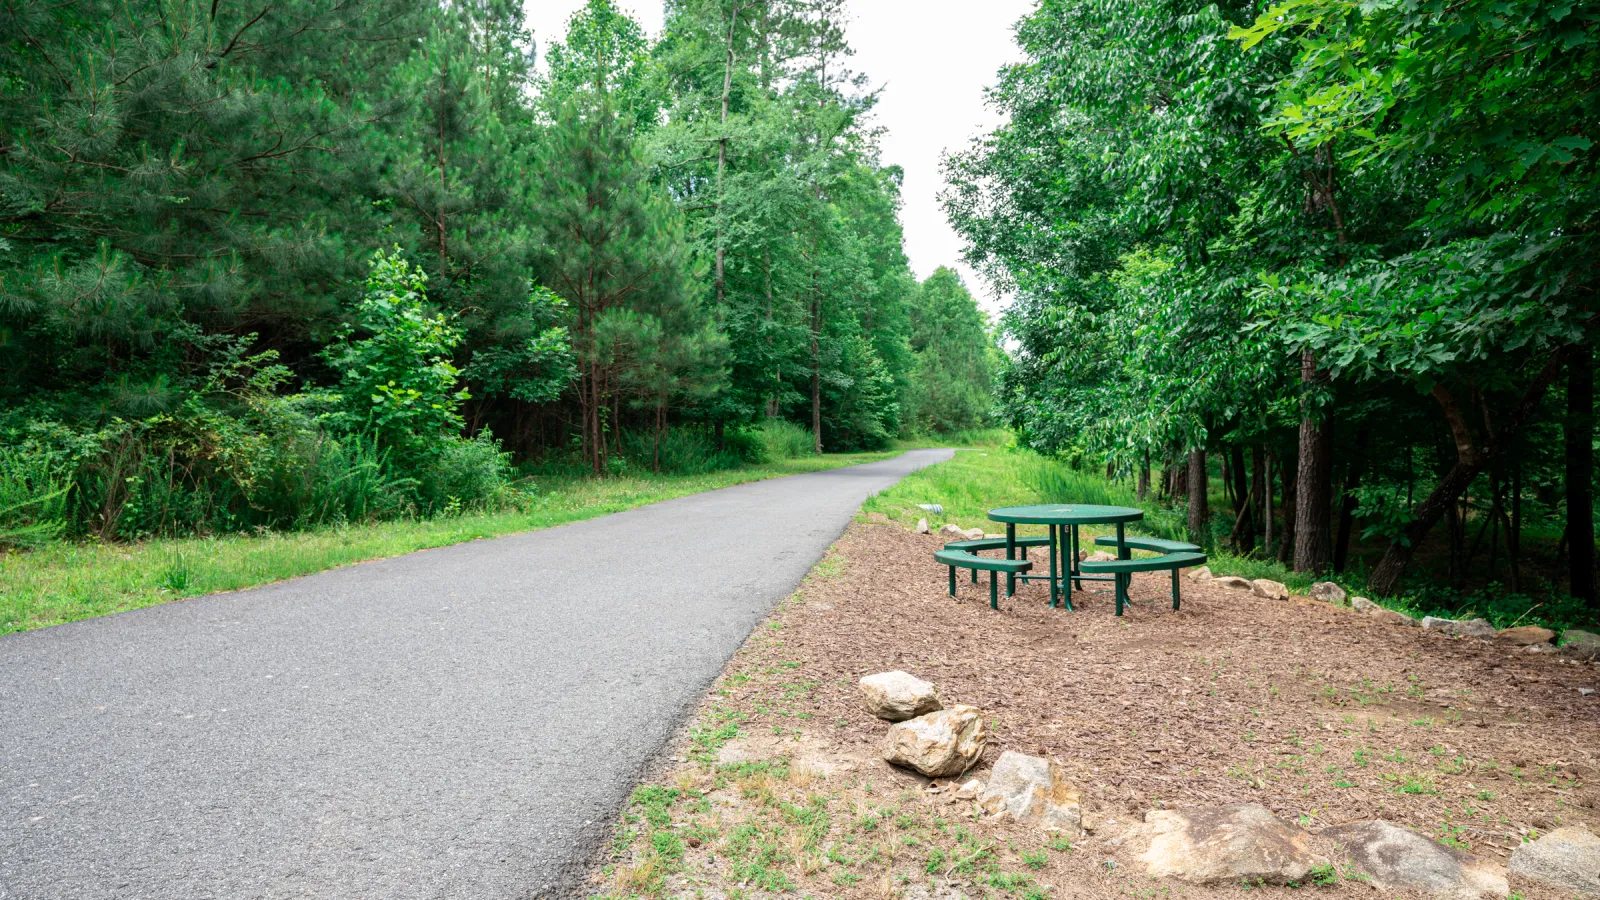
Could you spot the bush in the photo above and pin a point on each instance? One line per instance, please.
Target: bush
(467, 474)
(782, 439)
(33, 497)
(684, 450)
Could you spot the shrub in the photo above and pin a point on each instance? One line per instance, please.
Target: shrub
(782, 439)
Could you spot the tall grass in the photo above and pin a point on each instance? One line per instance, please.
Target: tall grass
(782, 439)
(33, 499)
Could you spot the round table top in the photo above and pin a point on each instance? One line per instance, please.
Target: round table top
(1065, 514)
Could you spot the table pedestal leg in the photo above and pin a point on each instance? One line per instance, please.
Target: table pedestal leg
(1052, 575)
(1011, 551)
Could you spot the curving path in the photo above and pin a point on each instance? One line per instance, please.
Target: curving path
(455, 723)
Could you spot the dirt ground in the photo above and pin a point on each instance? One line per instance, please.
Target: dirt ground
(1312, 710)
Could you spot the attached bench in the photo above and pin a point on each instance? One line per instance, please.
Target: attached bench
(997, 544)
(1154, 545)
(962, 559)
(1122, 569)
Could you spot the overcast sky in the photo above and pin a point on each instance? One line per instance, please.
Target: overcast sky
(932, 58)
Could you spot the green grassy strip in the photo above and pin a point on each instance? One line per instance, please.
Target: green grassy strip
(69, 581)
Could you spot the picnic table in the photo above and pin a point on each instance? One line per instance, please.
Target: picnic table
(1063, 521)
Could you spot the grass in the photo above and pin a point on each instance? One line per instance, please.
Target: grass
(65, 582)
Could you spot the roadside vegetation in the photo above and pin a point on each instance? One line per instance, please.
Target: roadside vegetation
(1340, 255)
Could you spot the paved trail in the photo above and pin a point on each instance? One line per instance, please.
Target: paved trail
(456, 723)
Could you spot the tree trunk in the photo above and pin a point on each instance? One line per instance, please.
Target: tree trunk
(1312, 538)
(722, 154)
(1265, 468)
(1469, 462)
(1244, 533)
(1144, 476)
(1289, 473)
(1199, 514)
(1579, 477)
(1347, 504)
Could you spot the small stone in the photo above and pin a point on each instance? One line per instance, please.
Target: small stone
(1033, 791)
(922, 526)
(939, 744)
(1083, 555)
(1584, 692)
(974, 534)
(1202, 574)
(897, 696)
(1580, 644)
(1392, 617)
(1524, 635)
(1396, 859)
(1567, 858)
(1234, 581)
(1477, 628)
(1327, 592)
(1234, 843)
(1362, 604)
(970, 790)
(952, 529)
(1536, 648)
(1272, 590)
(1100, 556)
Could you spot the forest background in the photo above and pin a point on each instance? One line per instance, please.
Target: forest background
(1339, 254)
(327, 261)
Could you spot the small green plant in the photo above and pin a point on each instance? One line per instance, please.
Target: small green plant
(1324, 875)
(1035, 859)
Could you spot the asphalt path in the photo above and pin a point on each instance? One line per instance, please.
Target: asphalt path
(456, 723)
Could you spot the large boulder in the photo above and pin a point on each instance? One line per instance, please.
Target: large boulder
(1580, 644)
(1567, 858)
(939, 744)
(1272, 590)
(1327, 592)
(1392, 617)
(1477, 628)
(1525, 635)
(1032, 790)
(1363, 605)
(1233, 581)
(1396, 860)
(897, 696)
(1227, 844)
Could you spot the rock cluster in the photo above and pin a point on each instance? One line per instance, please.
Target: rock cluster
(1226, 844)
(1396, 859)
(1567, 859)
(1272, 590)
(897, 696)
(939, 744)
(1033, 791)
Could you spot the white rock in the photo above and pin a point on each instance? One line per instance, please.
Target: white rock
(1214, 844)
(1362, 604)
(939, 744)
(952, 529)
(1477, 628)
(897, 696)
(1100, 556)
(922, 526)
(1272, 590)
(1579, 644)
(1327, 592)
(970, 790)
(1033, 791)
(1201, 574)
(1396, 860)
(1567, 858)
(974, 534)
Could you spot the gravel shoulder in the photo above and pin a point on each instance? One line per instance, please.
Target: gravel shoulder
(1320, 714)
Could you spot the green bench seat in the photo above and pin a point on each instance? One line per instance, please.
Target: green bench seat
(962, 559)
(996, 544)
(1154, 545)
(1123, 568)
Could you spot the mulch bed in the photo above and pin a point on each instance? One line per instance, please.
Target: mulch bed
(1310, 709)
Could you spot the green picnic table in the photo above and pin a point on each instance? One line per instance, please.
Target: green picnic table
(1063, 520)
